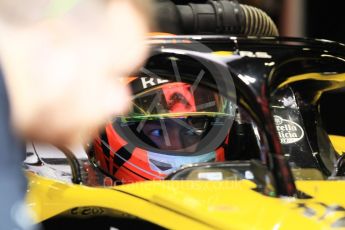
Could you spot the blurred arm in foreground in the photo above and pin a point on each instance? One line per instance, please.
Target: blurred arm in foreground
(60, 64)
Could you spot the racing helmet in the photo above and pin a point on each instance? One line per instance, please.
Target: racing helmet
(171, 124)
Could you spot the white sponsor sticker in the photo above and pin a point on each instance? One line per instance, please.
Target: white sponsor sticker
(255, 55)
(289, 132)
(210, 175)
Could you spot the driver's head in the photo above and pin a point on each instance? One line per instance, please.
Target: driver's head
(167, 128)
(174, 136)
(170, 134)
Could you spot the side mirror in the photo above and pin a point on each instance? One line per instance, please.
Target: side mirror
(339, 167)
(74, 163)
(263, 178)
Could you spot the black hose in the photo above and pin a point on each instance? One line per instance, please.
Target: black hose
(214, 17)
(257, 22)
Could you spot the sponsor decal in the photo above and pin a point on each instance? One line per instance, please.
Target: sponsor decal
(151, 81)
(87, 211)
(289, 132)
(332, 214)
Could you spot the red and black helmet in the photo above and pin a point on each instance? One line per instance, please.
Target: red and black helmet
(171, 124)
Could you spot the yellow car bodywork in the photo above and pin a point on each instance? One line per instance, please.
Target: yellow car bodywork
(198, 204)
(338, 143)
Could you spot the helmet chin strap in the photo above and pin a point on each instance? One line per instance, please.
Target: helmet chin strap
(166, 164)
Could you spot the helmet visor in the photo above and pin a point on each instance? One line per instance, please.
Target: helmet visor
(174, 117)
